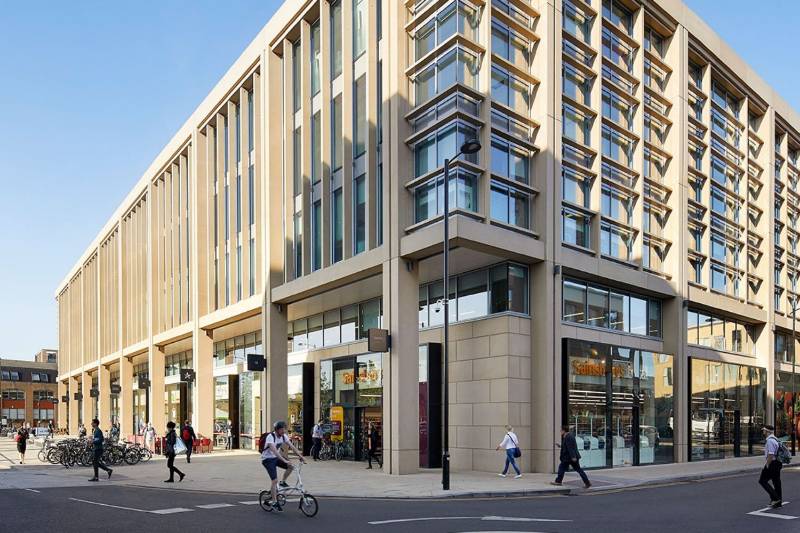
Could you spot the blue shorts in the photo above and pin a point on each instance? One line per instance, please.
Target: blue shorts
(272, 464)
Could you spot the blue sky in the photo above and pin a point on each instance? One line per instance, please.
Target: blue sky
(94, 90)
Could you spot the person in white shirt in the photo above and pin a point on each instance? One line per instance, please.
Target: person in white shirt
(772, 468)
(149, 436)
(316, 437)
(510, 444)
(272, 458)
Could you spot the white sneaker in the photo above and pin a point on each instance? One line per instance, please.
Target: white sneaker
(518, 476)
(501, 475)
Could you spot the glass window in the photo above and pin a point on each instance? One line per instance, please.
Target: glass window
(638, 316)
(369, 380)
(618, 311)
(349, 323)
(576, 23)
(576, 125)
(575, 228)
(429, 196)
(369, 317)
(359, 28)
(331, 333)
(597, 307)
(618, 14)
(574, 301)
(360, 214)
(336, 39)
(315, 57)
(360, 115)
(574, 187)
(654, 318)
(473, 295)
(575, 85)
(423, 307)
(510, 205)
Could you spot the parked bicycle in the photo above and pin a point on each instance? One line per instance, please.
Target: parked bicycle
(306, 502)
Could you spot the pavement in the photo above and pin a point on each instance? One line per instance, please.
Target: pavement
(240, 472)
(729, 504)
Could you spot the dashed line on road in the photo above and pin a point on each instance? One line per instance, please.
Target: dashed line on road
(109, 505)
(215, 505)
(32, 490)
(482, 518)
(763, 513)
(173, 510)
(251, 502)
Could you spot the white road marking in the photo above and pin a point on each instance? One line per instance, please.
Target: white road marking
(172, 510)
(763, 512)
(215, 505)
(32, 490)
(482, 518)
(251, 502)
(109, 505)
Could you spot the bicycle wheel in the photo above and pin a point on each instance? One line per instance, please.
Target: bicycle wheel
(265, 500)
(146, 454)
(42, 455)
(308, 505)
(132, 456)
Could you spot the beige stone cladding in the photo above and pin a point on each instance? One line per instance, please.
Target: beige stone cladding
(490, 386)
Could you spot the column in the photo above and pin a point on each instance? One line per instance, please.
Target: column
(73, 405)
(401, 377)
(203, 401)
(545, 303)
(126, 397)
(277, 399)
(104, 404)
(156, 369)
(87, 413)
(63, 407)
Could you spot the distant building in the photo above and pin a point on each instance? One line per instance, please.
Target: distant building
(28, 390)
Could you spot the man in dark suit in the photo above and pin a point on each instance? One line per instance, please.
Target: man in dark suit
(570, 457)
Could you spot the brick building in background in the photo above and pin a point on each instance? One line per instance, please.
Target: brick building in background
(28, 390)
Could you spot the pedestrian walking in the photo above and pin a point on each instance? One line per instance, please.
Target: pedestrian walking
(374, 441)
(229, 436)
(772, 468)
(113, 433)
(316, 438)
(81, 431)
(149, 436)
(22, 442)
(169, 450)
(97, 449)
(188, 436)
(272, 458)
(50, 428)
(510, 444)
(569, 457)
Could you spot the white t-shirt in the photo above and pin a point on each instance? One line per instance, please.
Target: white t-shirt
(277, 441)
(510, 441)
(771, 446)
(316, 433)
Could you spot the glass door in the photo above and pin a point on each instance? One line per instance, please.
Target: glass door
(620, 433)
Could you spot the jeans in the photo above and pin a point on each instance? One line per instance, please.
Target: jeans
(97, 462)
(576, 466)
(511, 461)
(772, 473)
(171, 466)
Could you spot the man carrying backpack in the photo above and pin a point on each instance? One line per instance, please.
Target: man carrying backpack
(188, 436)
(271, 457)
(776, 454)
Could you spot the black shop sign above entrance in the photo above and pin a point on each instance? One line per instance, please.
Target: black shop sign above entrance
(187, 375)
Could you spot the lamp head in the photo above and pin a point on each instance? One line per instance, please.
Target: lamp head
(470, 147)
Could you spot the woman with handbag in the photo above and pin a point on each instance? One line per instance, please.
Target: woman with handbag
(170, 450)
(22, 442)
(511, 445)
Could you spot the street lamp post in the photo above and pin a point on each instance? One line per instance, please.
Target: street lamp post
(469, 147)
(794, 392)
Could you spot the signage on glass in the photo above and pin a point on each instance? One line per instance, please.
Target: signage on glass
(187, 374)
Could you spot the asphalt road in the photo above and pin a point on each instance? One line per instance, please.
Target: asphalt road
(716, 505)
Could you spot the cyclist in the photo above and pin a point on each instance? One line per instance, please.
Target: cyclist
(270, 445)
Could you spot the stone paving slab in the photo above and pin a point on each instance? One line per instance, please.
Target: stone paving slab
(240, 472)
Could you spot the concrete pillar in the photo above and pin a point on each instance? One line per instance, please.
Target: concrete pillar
(156, 366)
(401, 377)
(63, 407)
(126, 396)
(545, 365)
(203, 401)
(87, 412)
(104, 405)
(73, 405)
(277, 372)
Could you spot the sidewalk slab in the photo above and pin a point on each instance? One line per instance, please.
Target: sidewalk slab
(240, 472)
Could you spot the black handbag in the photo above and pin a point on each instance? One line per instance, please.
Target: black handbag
(517, 451)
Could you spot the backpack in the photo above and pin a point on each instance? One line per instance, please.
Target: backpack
(782, 455)
(185, 435)
(262, 442)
